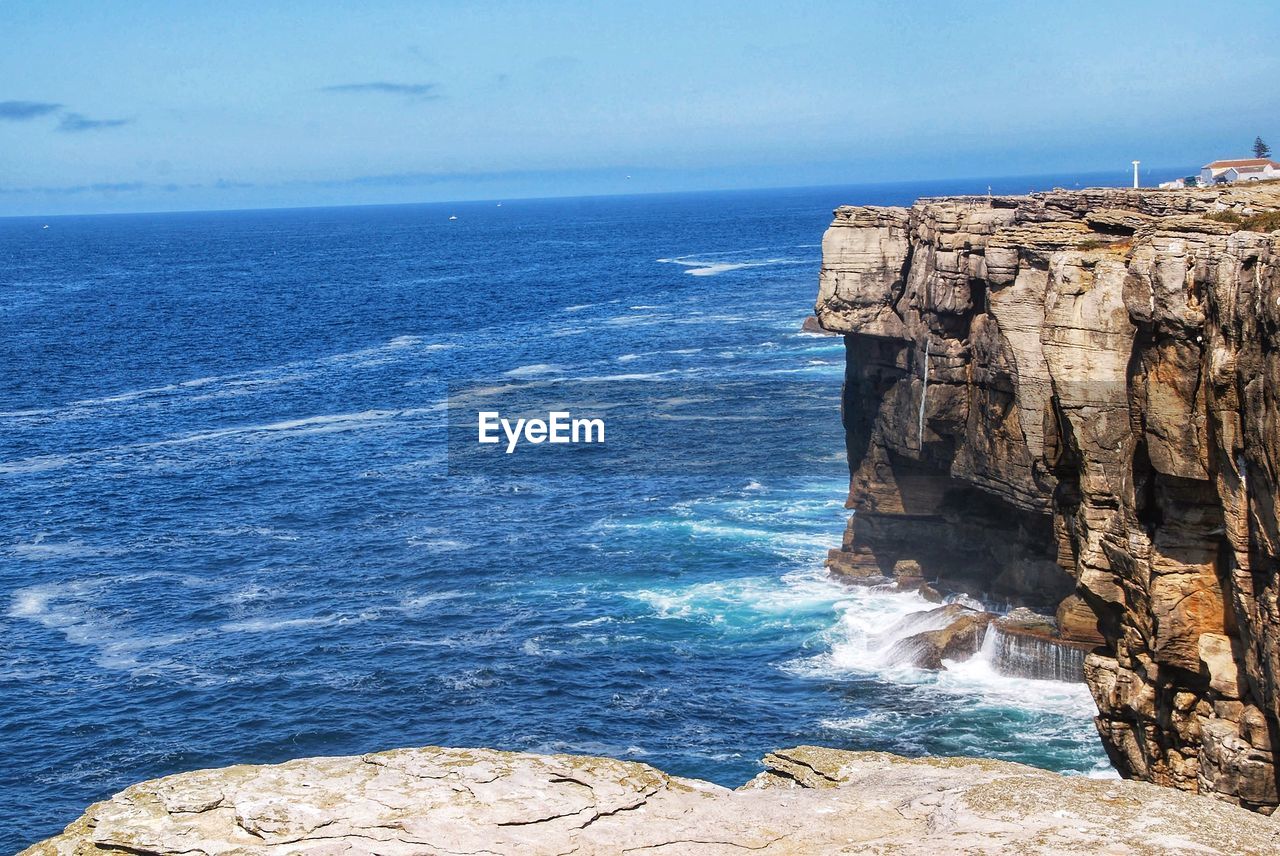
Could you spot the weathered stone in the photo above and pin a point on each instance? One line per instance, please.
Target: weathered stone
(1216, 654)
(1079, 391)
(908, 574)
(862, 245)
(812, 325)
(809, 800)
(1077, 622)
(959, 637)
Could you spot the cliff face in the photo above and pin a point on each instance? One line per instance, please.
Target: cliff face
(414, 802)
(1076, 392)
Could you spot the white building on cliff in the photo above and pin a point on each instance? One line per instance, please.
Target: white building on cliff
(1247, 169)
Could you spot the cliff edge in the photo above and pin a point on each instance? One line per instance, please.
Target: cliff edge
(808, 800)
(1068, 401)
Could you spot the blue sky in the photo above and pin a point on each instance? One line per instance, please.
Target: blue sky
(141, 106)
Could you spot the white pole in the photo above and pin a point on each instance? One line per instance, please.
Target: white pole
(1135, 173)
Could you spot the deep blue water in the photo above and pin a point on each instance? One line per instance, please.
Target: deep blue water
(231, 529)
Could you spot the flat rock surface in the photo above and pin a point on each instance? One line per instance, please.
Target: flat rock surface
(808, 801)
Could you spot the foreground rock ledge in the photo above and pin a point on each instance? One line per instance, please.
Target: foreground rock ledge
(809, 800)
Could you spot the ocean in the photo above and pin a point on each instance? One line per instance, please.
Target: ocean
(241, 519)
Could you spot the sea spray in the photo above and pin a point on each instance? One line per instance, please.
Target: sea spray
(1030, 656)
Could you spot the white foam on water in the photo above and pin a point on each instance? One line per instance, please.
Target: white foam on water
(673, 417)
(33, 602)
(711, 264)
(325, 423)
(977, 675)
(439, 545)
(417, 602)
(238, 383)
(869, 623)
(404, 341)
(534, 370)
(746, 606)
(38, 464)
(27, 414)
(39, 548)
(256, 531)
(592, 622)
(705, 268)
(832, 347)
(534, 647)
(470, 679)
(250, 593)
(241, 388)
(872, 620)
(647, 376)
(820, 369)
(642, 319)
(712, 269)
(715, 319)
(782, 542)
(70, 609)
(272, 625)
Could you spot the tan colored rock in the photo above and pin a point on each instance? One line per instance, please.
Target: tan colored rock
(959, 637)
(809, 800)
(1077, 622)
(908, 574)
(929, 593)
(1078, 392)
(812, 325)
(1215, 652)
(866, 249)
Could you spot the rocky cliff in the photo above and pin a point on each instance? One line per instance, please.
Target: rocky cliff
(1068, 401)
(413, 802)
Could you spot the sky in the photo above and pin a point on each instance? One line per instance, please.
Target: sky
(153, 106)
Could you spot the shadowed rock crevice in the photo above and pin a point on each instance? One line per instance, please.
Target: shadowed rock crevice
(1068, 401)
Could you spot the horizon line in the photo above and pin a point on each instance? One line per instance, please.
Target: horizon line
(555, 197)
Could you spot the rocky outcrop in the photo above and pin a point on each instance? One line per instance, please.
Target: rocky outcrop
(812, 326)
(808, 800)
(951, 632)
(1068, 401)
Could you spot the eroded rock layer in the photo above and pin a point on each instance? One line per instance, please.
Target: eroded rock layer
(1068, 401)
(417, 802)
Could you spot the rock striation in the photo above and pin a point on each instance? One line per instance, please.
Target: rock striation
(808, 801)
(1069, 401)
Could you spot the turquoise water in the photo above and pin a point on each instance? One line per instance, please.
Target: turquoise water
(236, 528)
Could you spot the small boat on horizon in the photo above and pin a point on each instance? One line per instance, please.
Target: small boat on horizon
(453, 216)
